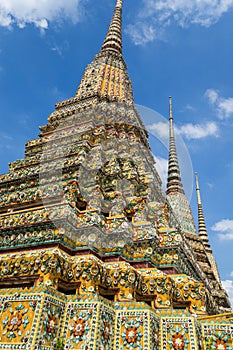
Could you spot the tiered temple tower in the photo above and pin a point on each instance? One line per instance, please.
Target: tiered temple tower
(93, 254)
(180, 205)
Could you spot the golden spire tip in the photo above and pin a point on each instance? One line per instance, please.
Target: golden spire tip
(119, 3)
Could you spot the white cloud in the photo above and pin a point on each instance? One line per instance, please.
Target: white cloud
(159, 14)
(189, 108)
(224, 229)
(161, 165)
(60, 48)
(198, 131)
(141, 33)
(226, 107)
(228, 286)
(223, 106)
(190, 131)
(212, 95)
(203, 12)
(160, 130)
(38, 12)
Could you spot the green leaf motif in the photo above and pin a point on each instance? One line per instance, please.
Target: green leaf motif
(5, 321)
(25, 311)
(20, 307)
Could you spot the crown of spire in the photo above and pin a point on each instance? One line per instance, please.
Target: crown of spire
(202, 231)
(174, 183)
(119, 3)
(106, 77)
(113, 39)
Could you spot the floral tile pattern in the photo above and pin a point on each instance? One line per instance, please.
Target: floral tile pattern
(19, 316)
(106, 328)
(37, 318)
(80, 326)
(50, 323)
(132, 330)
(217, 336)
(178, 334)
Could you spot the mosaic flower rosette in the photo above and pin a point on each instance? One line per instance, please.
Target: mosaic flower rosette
(217, 337)
(132, 333)
(18, 321)
(179, 339)
(81, 325)
(15, 323)
(51, 323)
(178, 334)
(132, 330)
(106, 328)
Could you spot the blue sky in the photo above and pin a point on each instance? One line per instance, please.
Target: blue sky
(179, 48)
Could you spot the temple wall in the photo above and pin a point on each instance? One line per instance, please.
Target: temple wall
(40, 318)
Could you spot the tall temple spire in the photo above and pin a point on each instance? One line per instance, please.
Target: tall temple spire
(174, 183)
(202, 231)
(113, 40)
(175, 191)
(203, 234)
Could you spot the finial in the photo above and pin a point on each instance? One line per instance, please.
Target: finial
(113, 40)
(171, 126)
(198, 190)
(170, 108)
(119, 3)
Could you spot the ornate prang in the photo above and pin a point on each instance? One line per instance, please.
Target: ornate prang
(175, 192)
(93, 255)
